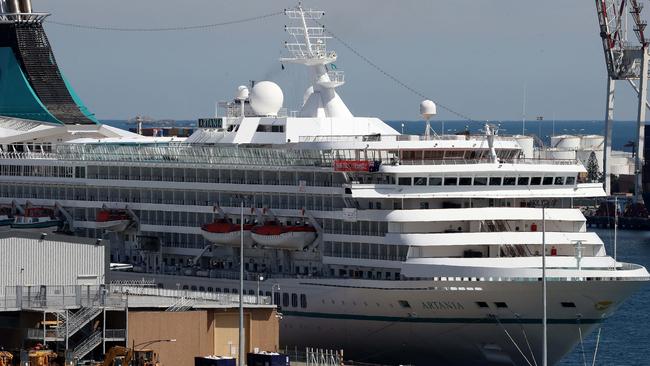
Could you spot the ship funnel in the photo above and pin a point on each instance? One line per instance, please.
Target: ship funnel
(13, 7)
(25, 6)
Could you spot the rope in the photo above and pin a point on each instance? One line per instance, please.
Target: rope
(394, 78)
(164, 29)
(593, 362)
(584, 359)
(530, 349)
(512, 340)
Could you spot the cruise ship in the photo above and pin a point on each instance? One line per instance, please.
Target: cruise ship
(420, 249)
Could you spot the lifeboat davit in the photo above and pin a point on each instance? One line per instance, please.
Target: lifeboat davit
(5, 216)
(277, 236)
(224, 232)
(113, 220)
(36, 218)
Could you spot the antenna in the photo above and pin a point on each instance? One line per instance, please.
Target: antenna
(308, 46)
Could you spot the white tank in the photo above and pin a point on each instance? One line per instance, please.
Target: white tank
(266, 98)
(561, 154)
(565, 142)
(527, 145)
(593, 142)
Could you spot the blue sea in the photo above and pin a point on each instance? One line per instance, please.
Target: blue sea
(625, 337)
(623, 131)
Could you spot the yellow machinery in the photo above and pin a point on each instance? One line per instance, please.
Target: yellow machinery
(5, 358)
(123, 356)
(41, 357)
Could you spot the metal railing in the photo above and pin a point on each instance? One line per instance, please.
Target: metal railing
(197, 296)
(57, 297)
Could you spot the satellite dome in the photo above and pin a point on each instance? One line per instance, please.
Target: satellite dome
(427, 109)
(266, 98)
(242, 92)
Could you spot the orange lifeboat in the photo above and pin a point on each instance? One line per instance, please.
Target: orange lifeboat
(224, 232)
(274, 235)
(113, 220)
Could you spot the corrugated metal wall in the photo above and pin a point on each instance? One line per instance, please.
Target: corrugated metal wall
(25, 259)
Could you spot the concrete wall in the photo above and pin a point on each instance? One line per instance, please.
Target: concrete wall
(202, 332)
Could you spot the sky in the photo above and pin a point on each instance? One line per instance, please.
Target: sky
(476, 57)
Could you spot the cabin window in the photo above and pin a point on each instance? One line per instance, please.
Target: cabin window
(566, 304)
(424, 205)
(276, 298)
(193, 288)
(482, 304)
(451, 181)
(435, 181)
(303, 301)
(523, 181)
(420, 181)
(285, 299)
(226, 290)
(202, 289)
(495, 181)
(404, 181)
(294, 300)
(480, 181)
(465, 181)
(547, 181)
(501, 305)
(559, 181)
(535, 181)
(509, 181)
(570, 181)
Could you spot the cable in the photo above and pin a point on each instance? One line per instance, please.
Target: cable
(164, 29)
(394, 78)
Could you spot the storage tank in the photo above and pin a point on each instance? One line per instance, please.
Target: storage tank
(593, 142)
(527, 145)
(565, 142)
(561, 154)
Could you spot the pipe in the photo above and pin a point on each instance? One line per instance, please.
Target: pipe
(25, 6)
(13, 7)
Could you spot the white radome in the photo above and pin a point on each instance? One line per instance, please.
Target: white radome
(266, 98)
(428, 109)
(242, 92)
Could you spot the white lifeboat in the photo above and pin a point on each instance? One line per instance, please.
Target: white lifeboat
(113, 220)
(36, 218)
(224, 232)
(277, 236)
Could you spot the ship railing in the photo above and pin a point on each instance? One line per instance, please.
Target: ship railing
(27, 155)
(221, 298)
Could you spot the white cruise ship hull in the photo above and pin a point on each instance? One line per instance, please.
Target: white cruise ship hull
(432, 322)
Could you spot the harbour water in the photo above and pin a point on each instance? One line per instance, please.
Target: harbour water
(626, 335)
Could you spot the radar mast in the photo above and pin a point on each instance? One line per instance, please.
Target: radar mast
(308, 46)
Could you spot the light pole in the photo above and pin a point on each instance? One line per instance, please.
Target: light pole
(149, 343)
(259, 278)
(241, 280)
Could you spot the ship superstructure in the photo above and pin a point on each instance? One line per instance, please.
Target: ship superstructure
(383, 244)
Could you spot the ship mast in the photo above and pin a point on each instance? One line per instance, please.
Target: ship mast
(308, 46)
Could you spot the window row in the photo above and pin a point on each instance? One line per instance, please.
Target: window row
(487, 181)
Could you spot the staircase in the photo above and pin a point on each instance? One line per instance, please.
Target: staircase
(77, 320)
(87, 345)
(44, 75)
(182, 304)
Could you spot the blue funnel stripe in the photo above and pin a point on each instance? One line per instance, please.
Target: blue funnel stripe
(17, 98)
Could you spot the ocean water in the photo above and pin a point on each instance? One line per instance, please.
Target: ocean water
(623, 131)
(625, 336)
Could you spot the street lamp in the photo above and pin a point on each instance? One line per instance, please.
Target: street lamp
(260, 278)
(149, 343)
